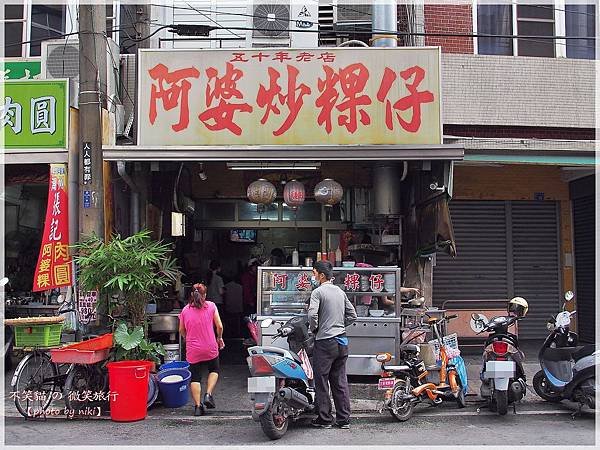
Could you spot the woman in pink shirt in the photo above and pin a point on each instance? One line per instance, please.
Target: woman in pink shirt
(197, 324)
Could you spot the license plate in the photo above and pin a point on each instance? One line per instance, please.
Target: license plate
(386, 383)
(261, 384)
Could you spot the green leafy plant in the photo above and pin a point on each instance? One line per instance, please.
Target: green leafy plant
(132, 267)
(130, 344)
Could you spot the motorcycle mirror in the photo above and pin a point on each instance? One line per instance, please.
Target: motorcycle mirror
(478, 322)
(4, 281)
(550, 326)
(266, 323)
(569, 296)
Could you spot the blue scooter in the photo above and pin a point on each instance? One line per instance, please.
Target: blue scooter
(568, 370)
(281, 382)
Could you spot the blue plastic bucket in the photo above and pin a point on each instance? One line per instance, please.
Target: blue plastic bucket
(175, 394)
(175, 365)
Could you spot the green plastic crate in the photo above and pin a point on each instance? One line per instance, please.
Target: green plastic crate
(38, 335)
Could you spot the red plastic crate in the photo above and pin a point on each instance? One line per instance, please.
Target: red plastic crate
(85, 352)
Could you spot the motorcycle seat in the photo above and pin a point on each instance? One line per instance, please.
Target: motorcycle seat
(411, 348)
(584, 351)
(560, 353)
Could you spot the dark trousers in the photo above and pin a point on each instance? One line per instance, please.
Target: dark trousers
(330, 370)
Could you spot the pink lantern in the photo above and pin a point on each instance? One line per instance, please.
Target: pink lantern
(329, 192)
(294, 194)
(261, 192)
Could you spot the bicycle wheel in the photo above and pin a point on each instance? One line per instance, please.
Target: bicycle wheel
(33, 384)
(81, 385)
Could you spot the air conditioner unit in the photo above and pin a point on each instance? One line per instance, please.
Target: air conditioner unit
(283, 24)
(60, 59)
(352, 12)
(269, 24)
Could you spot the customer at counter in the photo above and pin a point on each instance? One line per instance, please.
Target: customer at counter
(198, 322)
(329, 313)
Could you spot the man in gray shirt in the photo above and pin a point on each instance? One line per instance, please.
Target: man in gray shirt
(329, 313)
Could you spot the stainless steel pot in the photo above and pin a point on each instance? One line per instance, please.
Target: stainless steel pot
(164, 323)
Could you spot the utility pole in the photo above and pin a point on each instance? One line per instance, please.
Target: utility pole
(92, 94)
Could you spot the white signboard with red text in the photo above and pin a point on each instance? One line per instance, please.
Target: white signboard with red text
(289, 97)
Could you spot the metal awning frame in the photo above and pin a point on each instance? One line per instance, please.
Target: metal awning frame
(285, 153)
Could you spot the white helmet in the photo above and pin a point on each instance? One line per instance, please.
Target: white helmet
(518, 306)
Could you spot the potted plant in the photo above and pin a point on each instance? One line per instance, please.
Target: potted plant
(130, 268)
(131, 344)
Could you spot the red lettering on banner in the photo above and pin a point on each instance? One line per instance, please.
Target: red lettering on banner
(352, 81)
(304, 57)
(239, 57)
(327, 57)
(53, 267)
(269, 97)
(178, 91)
(261, 56)
(412, 101)
(281, 56)
(223, 89)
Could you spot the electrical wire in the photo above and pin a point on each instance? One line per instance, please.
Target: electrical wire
(369, 30)
(213, 21)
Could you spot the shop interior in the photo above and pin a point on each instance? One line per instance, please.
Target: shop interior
(204, 210)
(25, 199)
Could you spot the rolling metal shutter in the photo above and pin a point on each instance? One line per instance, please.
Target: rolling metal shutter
(479, 270)
(585, 268)
(504, 249)
(535, 238)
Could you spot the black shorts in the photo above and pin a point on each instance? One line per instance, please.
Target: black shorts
(196, 368)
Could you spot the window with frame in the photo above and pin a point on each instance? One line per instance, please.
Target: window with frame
(529, 20)
(14, 27)
(47, 22)
(580, 21)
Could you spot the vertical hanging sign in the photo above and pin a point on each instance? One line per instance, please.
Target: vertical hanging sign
(54, 262)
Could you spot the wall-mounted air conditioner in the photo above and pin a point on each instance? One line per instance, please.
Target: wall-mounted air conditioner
(350, 13)
(282, 24)
(60, 59)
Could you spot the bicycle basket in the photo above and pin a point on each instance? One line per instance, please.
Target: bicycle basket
(450, 341)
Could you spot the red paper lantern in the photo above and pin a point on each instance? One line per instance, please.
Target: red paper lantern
(294, 194)
(261, 192)
(329, 192)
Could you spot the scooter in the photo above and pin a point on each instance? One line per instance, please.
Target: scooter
(568, 370)
(281, 385)
(502, 376)
(405, 383)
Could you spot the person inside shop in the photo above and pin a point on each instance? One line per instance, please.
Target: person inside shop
(249, 284)
(276, 259)
(233, 301)
(200, 325)
(329, 313)
(216, 286)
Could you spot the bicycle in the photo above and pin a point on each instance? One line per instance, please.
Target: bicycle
(37, 377)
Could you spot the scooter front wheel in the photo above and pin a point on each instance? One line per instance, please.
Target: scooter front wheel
(401, 409)
(274, 421)
(542, 388)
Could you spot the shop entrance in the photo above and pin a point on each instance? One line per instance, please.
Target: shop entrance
(374, 222)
